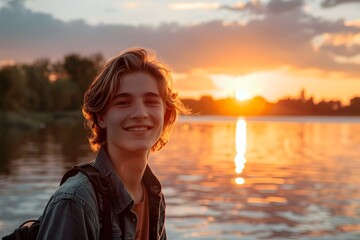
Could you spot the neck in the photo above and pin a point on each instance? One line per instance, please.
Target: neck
(130, 167)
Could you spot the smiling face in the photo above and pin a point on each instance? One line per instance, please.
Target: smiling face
(134, 118)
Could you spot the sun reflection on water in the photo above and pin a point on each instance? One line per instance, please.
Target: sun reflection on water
(240, 142)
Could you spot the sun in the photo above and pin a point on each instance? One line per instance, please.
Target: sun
(242, 95)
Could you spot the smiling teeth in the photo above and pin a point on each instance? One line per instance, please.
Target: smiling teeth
(137, 129)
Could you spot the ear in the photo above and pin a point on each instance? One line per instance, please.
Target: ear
(100, 121)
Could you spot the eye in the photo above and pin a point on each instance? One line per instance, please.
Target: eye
(122, 103)
(152, 102)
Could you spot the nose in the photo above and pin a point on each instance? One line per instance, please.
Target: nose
(139, 112)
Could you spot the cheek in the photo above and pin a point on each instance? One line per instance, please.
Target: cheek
(160, 120)
(163, 117)
(166, 116)
(113, 119)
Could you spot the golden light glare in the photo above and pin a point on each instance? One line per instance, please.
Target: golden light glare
(52, 77)
(239, 180)
(239, 164)
(240, 149)
(241, 95)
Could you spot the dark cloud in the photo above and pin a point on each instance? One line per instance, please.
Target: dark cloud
(262, 44)
(273, 7)
(333, 3)
(342, 50)
(281, 6)
(255, 7)
(14, 3)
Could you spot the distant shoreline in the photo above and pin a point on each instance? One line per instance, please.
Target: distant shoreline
(258, 106)
(271, 118)
(35, 120)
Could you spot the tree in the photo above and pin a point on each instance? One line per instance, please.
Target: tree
(354, 107)
(81, 71)
(39, 85)
(64, 95)
(13, 90)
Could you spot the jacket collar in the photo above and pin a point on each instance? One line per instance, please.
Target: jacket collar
(120, 197)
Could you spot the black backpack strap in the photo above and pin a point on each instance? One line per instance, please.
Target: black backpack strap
(98, 183)
(25, 232)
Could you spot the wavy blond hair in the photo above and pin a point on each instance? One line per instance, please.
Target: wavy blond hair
(107, 82)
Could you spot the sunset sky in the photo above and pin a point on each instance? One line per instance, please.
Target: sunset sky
(269, 48)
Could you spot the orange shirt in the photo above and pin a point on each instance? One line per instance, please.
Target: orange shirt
(142, 212)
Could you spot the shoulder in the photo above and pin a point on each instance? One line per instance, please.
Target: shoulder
(79, 190)
(72, 211)
(76, 186)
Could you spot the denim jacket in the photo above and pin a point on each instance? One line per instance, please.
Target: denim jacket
(73, 211)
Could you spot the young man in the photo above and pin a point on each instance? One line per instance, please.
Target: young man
(130, 108)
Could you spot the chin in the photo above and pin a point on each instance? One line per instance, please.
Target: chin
(139, 148)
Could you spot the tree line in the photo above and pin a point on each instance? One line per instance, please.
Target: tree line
(259, 106)
(44, 86)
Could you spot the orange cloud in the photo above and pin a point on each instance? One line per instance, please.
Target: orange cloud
(194, 80)
(353, 23)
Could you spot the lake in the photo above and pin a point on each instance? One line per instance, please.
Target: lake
(223, 177)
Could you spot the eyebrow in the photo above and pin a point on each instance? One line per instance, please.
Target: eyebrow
(128, 95)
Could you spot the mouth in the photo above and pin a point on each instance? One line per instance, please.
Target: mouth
(138, 128)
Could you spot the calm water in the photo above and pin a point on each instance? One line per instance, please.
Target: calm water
(223, 178)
